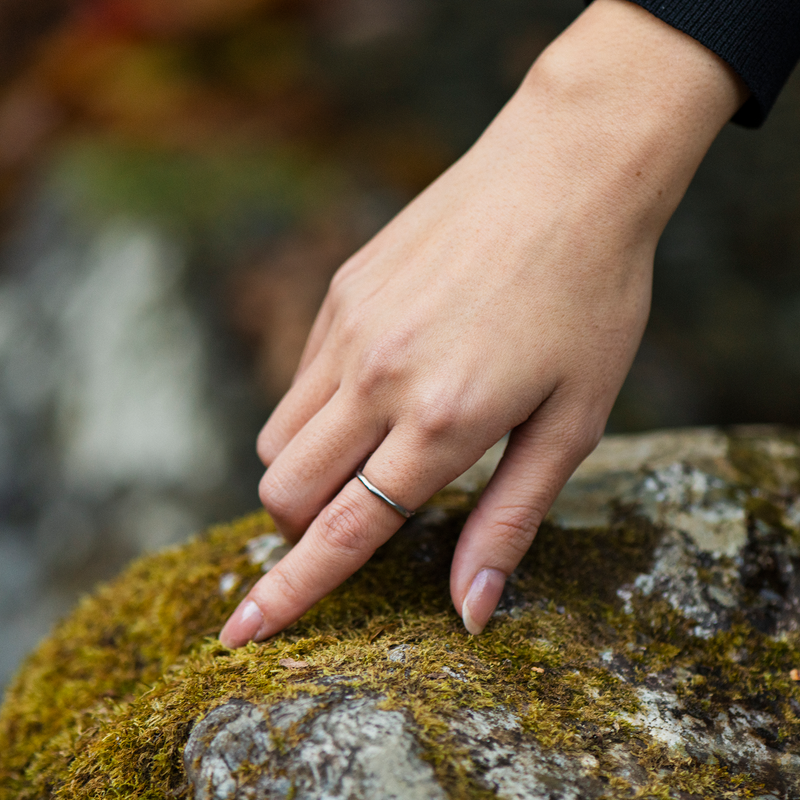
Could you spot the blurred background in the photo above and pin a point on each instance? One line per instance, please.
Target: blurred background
(178, 182)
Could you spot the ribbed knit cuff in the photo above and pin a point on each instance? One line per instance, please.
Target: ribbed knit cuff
(760, 39)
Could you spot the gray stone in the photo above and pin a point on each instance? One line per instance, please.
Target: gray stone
(516, 767)
(398, 654)
(352, 749)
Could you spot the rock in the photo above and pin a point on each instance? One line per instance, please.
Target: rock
(353, 748)
(646, 646)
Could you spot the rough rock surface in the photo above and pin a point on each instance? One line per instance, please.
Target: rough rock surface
(646, 647)
(351, 749)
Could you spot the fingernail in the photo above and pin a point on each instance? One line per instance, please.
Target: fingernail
(242, 626)
(482, 599)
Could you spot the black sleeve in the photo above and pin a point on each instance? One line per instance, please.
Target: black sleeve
(760, 39)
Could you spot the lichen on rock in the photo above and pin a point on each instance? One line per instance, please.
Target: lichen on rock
(643, 648)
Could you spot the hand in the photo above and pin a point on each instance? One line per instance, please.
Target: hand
(511, 295)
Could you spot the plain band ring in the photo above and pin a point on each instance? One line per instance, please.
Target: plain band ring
(404, 512)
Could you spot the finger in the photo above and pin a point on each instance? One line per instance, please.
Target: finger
(316, 338)
(317, 462)
(541, 455)
(344, 535)
(304, 399)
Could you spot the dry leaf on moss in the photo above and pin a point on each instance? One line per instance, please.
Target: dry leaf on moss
(291, 663)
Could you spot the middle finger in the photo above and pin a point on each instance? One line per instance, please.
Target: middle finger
(317, 462)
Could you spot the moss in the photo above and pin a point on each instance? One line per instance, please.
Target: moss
(104, 707)
(766, 458)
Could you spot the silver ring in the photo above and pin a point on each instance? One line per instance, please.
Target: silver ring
(404, 512)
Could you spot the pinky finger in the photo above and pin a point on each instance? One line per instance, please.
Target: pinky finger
(541, 455)
(316, 338)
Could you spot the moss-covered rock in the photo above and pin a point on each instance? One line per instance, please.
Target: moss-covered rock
(644, 648)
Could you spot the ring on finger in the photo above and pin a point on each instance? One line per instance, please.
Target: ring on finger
(404, 512)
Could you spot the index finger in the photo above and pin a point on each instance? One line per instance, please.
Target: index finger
(342, 538)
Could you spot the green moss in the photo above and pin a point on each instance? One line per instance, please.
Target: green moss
(104, 707)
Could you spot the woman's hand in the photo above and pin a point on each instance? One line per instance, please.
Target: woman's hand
(511, 295)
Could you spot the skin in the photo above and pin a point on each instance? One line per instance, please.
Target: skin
(511, 295)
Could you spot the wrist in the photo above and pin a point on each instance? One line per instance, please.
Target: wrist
(625, 107)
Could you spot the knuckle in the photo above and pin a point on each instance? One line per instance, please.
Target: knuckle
(593, 437)
(337, 288)
(348, 326)
(275, 498)
(289, 584)
(582, 435)
(586, 439)
(265, 447)
(381, 364)
(436, 418)
(515, 528)
(343, 527)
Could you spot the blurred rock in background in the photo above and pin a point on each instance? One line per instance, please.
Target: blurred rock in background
(178, 182)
